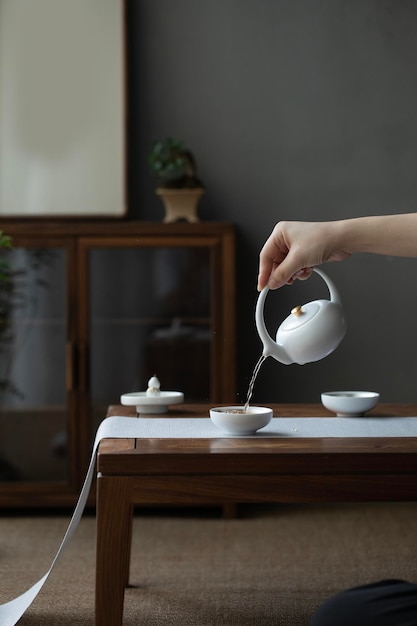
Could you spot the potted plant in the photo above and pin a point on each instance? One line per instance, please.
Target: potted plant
(181, 189)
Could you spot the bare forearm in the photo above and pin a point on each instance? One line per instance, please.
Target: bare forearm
(394, 235)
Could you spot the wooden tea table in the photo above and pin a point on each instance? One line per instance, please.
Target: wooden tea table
(236, 470)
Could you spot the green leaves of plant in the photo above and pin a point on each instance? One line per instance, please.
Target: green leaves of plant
(167, 157)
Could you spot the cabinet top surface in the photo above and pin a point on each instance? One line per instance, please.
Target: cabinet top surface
(39, 227)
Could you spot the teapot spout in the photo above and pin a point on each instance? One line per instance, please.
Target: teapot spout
(270, 347)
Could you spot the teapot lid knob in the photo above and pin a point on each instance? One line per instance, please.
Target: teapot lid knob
(297, 310)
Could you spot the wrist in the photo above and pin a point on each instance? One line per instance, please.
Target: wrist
(353, 235)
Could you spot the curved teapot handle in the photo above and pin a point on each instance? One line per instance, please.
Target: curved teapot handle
(334, 294)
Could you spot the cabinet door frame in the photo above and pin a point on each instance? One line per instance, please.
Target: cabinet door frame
(50, 493)
(221, 251)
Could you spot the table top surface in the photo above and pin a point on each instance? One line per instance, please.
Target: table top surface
(262, 446)
(280, 410)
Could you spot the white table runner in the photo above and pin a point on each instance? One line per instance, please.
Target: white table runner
(203, 428)
(126, 427)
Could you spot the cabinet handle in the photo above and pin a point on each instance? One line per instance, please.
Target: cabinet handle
(83, 379)
(70, 366)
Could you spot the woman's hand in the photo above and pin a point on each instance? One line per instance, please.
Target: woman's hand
(294, 248)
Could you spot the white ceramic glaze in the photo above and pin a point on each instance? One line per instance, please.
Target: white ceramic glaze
(233, 423)
(152, 404)
(154, 387)
(310, 333)
(350, 403)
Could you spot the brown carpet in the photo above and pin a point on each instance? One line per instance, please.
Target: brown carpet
(272, 566)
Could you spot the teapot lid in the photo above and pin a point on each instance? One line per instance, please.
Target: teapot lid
(300, 315)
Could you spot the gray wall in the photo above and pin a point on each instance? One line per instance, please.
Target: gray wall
(295, 109)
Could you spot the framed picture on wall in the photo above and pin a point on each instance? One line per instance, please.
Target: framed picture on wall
(62, 108)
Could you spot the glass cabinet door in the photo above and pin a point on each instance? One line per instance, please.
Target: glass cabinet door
(159, 322)
(33, 335)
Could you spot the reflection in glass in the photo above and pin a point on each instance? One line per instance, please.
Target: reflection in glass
(159, 323)
(32, 365)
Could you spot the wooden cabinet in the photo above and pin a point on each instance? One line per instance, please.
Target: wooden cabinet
(91, 310)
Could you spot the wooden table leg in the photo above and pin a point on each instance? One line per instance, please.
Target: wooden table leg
(114, 525)
(230, 510)
(128, 548)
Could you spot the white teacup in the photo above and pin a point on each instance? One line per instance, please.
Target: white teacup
(234, 421)
(349, 403)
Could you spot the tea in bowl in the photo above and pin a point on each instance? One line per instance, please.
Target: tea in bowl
(234, 420)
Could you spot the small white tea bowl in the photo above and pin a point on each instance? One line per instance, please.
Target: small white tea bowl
(234, 422)
(349, 403)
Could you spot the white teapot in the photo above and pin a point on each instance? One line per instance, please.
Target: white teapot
(310, 333)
